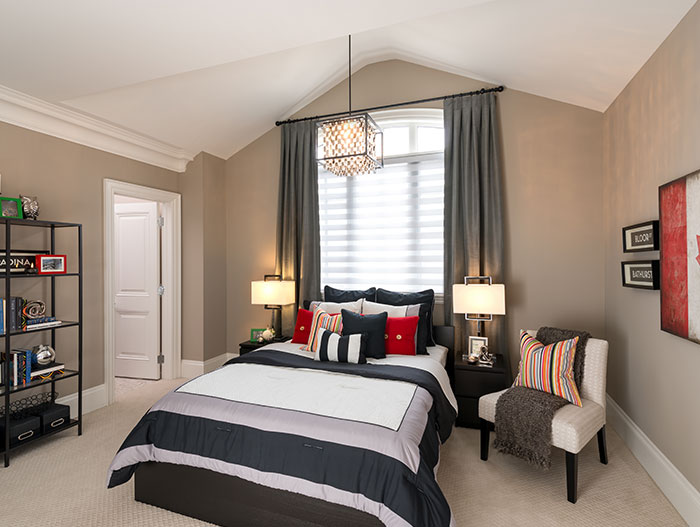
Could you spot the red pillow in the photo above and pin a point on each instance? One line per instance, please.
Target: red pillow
(400, 335)
(302, 330)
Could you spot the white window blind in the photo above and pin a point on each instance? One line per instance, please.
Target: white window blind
(386, 229)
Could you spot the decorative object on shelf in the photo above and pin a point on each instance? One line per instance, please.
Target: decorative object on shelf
(268, 334)
(351, 145)
(256, 334)
(43, 355)
(30, 207)
(20, 261)
(34, 309)
(642, 274)
(641, 237)
(51, 263)
(679, 217)
(479, 302)
(11, 208)
(273, 293)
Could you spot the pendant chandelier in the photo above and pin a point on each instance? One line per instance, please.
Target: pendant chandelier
(350, 145)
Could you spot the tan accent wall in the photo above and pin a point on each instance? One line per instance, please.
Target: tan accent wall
(553, 180)
(203, 258)
(652, 136)
(68, 179)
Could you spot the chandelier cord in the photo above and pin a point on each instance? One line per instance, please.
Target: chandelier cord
(349, 74)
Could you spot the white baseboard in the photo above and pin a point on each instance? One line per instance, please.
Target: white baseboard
(679, 491)
(93, 399)
(193, 368)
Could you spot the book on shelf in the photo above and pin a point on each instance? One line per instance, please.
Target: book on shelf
(43, 325)
(49, 371)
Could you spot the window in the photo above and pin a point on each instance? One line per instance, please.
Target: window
(386, 229)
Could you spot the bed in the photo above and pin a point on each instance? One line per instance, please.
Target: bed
(276, 438)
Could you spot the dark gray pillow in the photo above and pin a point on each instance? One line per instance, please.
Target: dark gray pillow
(426, 299)
(374, 326)
(331, 294)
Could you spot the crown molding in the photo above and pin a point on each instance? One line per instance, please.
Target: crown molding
(23, 110)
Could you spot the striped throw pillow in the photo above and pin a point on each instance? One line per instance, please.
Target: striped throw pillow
(548, 368)
(322, 320)
(334, 348)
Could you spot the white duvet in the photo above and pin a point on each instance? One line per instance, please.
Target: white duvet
(374, 401)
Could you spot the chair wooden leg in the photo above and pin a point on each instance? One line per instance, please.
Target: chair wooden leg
(602, 446)
(485, 430)
(571, 476)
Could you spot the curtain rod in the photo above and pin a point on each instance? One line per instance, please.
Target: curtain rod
(395, 105)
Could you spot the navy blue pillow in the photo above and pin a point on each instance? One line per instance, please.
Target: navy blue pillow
(426, 299)
(374, 326)
(331, 294)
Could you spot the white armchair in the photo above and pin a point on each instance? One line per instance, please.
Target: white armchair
(572, 427)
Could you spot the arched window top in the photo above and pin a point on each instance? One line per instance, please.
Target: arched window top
(410, 131)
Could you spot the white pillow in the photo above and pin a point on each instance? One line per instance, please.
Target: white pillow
(333, 308)
(373, 308)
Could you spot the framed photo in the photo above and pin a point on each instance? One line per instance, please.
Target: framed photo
(679, 216)
(475, 345)
(11, 208)
(51, 263)
(641, 237)
(641, 274)
(255, 334)
(20, 261)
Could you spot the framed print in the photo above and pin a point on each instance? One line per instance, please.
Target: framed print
(679, 217)
(20, 261)
(641, 274)
(641, 237)
(256, 334)
(51, 263)
(475, 345)
(11, 208)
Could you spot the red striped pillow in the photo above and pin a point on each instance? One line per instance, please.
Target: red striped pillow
(548, 368)
(323, 320)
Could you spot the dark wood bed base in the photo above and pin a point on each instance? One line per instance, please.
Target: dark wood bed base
(233, 502)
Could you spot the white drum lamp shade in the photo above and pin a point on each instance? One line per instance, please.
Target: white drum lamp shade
(272, 292)
(480, 299)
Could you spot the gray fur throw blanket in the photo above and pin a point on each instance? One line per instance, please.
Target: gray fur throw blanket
(524, 416)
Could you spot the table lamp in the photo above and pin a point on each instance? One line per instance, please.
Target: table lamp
(273, 293)
(479, 302)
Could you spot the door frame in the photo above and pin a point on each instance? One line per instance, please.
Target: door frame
(171, 262)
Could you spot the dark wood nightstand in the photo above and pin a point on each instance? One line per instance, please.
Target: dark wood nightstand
(247, 346)
(471, 382)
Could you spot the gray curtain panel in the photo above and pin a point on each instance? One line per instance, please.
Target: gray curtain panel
(473, 207)
(298, 240)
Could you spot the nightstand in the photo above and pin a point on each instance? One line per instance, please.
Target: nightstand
(471, 382)
(247, 346)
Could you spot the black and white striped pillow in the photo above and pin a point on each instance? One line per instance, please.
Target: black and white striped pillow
(334, 348)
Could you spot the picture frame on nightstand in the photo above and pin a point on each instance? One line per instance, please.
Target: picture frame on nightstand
(474, 346)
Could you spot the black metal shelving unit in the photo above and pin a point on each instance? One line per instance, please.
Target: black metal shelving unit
(6, 391)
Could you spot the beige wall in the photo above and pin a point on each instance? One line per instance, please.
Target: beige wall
(651, 136)
(68, 180)
(553, 180)
(203, 258)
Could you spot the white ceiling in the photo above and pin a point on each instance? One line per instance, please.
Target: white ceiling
(214, 75)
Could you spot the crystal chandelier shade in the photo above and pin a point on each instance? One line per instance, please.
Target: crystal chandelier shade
(349, 146)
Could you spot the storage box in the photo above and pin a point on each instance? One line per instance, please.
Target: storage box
(53, 417)
(21, 430)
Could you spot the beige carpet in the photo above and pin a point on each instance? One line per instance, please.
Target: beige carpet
(61, 482)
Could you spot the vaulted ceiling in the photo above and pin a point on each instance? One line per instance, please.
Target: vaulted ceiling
(214, 75)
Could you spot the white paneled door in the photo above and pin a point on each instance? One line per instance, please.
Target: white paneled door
(136, 300)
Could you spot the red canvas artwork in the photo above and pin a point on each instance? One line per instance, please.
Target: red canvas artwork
(679, 215)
